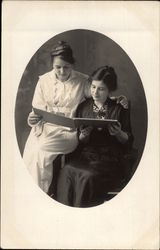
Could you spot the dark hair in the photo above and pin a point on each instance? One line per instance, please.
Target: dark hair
(64, 51)
(107, 75)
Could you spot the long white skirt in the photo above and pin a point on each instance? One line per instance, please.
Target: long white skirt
(40, 151)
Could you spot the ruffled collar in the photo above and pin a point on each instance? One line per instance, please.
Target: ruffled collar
(101, 113)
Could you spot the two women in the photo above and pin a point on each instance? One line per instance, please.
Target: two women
(97, 163)
(60, 91)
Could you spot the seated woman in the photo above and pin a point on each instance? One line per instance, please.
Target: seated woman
(57, 91)
(96, 166)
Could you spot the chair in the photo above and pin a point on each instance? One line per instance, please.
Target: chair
(130, 165)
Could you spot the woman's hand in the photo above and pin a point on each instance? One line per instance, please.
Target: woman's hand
(122, 100)
(115, 130)
(33, 118)
(85, 133)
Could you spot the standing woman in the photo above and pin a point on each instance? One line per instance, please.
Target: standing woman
(58, 91)
(97, 164)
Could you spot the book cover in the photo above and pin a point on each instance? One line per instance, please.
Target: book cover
(72, 122)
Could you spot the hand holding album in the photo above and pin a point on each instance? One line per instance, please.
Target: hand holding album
(114, 129)
(34, 118)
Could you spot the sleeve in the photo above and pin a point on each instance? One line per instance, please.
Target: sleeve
(126, 125)
(79, 111)
(38, 98)
(38, 102)
(79, 115)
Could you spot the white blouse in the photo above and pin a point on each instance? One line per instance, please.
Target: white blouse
(53, 95)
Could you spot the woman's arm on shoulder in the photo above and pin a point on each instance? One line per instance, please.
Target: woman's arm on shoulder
(121, 100)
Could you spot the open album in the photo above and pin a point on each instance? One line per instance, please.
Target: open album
(72, 122)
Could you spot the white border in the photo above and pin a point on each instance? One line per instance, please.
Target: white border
(30, 219)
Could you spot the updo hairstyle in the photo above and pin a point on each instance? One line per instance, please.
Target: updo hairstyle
(63, 51)
(107, 75)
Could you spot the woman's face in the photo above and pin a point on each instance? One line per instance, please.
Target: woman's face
(99, 91)
(62, 68)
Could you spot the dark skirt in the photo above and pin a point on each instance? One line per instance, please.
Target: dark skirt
(88, 175)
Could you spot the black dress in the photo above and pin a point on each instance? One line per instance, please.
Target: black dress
(97, 165)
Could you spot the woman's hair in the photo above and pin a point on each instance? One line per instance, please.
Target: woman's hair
(64, 51)
(107, 75)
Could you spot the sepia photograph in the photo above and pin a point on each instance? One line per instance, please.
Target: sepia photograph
(80, 125)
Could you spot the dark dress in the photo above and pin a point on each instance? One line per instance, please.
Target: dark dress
(97, 165)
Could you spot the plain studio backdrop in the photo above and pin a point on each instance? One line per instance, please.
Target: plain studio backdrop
(100, 33)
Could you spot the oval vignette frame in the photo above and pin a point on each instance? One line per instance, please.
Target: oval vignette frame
(91, 50)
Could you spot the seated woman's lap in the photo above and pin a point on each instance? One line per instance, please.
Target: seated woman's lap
(54, 144)
(58, 142)
(78, 185)
(83, 184)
